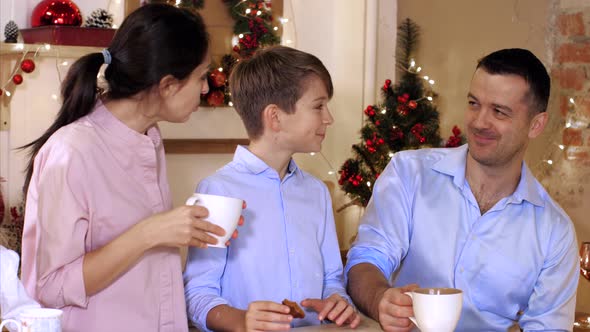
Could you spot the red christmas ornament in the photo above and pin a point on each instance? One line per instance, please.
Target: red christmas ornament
(215, 98)
(369, 111)
(412, 104)
(27, 65)
(217, 78)
(402, 110)
(1, 92)
(56, 12)
(17, 79)
(396, 134)
(402, 99)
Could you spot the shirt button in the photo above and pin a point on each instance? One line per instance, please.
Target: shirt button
(461, 270)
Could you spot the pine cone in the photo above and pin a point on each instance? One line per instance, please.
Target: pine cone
(99, 18)
(10, 32)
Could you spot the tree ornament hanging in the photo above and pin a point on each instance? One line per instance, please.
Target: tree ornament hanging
(218, 78)
(27, 66)
(17, 79)
(216, 98)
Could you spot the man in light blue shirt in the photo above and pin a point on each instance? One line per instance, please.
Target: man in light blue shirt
(473, 217)
(288, 247)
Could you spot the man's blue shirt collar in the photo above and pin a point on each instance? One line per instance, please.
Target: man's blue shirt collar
(454, 162)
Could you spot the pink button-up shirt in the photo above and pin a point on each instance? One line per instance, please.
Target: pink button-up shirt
(93, 180)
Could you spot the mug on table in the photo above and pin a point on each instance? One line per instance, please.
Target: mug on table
(36, 320)
(436, 309)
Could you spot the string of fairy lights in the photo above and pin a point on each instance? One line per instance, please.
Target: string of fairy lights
(562, 154)
(26, 65)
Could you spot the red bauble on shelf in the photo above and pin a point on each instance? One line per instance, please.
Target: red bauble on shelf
(27, 65)
(56, 12)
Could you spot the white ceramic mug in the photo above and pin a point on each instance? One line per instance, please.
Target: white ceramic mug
(37, 320)
(436, 309)
(223, 211)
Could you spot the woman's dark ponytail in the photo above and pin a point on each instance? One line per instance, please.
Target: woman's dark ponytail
(78, 91)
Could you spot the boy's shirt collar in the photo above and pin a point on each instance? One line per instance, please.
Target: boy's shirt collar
(244, 157)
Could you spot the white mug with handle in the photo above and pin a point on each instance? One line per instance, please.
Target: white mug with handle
(223, 211)
(436, 309)
(36, 320)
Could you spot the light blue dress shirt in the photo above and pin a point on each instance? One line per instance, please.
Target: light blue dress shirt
(287, 248)
(517, 261)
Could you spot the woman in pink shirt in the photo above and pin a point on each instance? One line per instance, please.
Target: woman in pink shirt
(101, 240)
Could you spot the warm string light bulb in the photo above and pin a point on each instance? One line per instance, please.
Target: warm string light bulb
(331, 171)
(572, 120)
(416, 69)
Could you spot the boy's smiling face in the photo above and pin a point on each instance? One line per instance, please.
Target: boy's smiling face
(304, 130)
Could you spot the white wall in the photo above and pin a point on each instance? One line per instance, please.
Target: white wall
(20, 10)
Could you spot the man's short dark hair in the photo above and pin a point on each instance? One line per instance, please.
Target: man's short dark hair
(523, 63)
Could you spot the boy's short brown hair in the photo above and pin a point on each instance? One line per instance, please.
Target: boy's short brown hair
(274, 75)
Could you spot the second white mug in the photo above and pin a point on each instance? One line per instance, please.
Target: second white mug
(436, 309)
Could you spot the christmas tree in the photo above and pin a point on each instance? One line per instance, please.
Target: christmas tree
(407, 118)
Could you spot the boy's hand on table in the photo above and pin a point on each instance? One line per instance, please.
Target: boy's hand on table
(335, 308)
(267, 316)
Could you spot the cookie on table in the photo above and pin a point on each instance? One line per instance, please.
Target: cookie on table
(295, 309)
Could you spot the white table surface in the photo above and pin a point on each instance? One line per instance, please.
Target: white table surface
(367, 325)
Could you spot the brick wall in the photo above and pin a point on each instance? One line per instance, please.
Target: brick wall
(571, 76)
(568, 179)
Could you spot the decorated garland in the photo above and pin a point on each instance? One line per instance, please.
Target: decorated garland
(188, 4)
(253, 30)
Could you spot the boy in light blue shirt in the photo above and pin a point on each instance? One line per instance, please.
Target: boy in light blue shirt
(288, 248)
